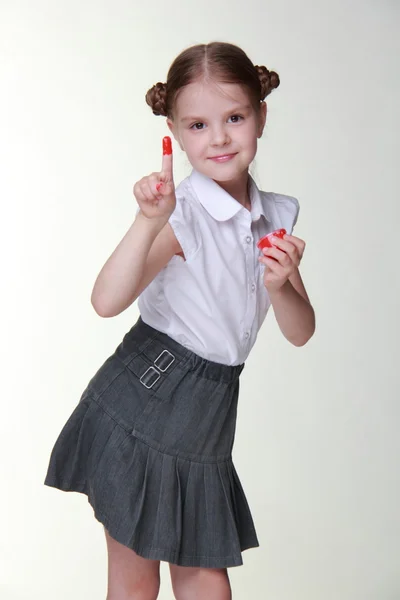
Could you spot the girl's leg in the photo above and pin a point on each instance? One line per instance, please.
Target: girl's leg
(192, 583)
(130, 577)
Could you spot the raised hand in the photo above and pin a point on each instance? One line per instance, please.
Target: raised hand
(155, 193)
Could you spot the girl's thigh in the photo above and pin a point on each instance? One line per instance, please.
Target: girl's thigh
(129, 575)
(192, 583)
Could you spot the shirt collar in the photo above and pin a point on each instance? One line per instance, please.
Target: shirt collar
(221, 205)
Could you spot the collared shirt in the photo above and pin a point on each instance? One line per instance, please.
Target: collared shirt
(215, 301)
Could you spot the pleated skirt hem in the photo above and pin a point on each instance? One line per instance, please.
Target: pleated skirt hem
(164, 554)
(151, 552)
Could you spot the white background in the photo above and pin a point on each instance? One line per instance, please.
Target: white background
(317, 442)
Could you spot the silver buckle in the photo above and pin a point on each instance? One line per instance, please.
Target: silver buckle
(165, 354)
(153, 370)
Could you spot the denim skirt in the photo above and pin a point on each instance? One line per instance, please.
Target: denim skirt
(150, 445)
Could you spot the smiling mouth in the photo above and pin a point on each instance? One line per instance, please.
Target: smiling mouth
(223, 156)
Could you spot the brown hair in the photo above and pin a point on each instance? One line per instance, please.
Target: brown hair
(220, 61)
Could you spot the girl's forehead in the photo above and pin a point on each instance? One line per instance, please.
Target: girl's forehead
(214, 93)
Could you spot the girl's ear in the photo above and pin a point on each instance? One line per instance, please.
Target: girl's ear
(263, 118)
(174, 132)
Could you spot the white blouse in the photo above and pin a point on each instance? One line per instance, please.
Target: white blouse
(215, 301)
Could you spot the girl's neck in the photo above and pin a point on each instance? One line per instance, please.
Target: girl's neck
(238, 189)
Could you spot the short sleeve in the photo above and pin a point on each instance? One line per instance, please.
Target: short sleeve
(185, 226)
(288, 209)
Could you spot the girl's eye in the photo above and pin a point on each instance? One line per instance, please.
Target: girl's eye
(194, 126)
(236, 118)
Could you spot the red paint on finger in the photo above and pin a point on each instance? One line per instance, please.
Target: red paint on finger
(159, 186)
(265, 242)
(167, 145)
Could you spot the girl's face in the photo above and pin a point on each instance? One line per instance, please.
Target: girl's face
(217, 120)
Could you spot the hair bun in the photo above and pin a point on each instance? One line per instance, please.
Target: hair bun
(269, 80)
(156, 98)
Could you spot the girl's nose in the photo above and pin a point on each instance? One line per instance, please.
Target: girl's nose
(219, 136)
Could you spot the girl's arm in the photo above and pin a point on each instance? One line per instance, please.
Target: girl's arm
(293, 311)
(146, 248)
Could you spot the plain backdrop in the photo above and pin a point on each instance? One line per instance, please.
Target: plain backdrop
(317, 441)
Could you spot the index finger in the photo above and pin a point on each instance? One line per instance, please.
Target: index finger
(167, 158)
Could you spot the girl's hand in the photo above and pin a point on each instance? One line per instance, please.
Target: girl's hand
(155, 193)
(281, 261)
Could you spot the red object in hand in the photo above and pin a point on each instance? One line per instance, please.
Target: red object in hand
(265, 242)
(167, 145)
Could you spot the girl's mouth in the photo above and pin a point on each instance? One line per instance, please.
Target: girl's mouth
(223, 157)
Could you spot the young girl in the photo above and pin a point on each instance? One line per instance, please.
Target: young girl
(150, 441)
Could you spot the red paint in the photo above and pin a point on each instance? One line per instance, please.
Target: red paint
(167, 145)
(265, 242)
(158, 186)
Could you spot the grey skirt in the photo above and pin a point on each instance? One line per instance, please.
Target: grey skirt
(150, 444)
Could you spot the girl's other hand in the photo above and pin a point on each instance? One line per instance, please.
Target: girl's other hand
(155, 193)
(282, 260)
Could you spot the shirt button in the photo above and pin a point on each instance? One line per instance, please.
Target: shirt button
(253, 287)
(249, 239)
(247, 335)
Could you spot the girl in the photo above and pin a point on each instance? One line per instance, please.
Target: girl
(150, 441)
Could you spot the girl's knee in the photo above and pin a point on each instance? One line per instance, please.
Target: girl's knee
(130, 576)
(143, 588)
(190, 583)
